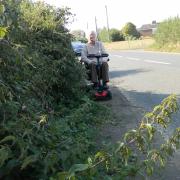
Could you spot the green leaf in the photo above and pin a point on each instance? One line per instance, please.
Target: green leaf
(76, 168)
(3, 31)
(28, 160)
(121, 144)
(162, 161)
(149, 170)
(2, 9)
(62, 175)
(8, 138)
(130, 135)
(107, 177)
(89, 161)
(4, 155)
(101, 155)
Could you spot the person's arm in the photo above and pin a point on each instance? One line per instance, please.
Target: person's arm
(103, 51)
(84, 54)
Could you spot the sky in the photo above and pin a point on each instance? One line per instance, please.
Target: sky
(138, 12)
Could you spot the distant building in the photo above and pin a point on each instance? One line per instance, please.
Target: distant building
(148, 29)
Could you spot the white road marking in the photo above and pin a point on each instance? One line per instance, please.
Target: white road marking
(157, 62)
(117, 56)
(146, 60)
(131, 58)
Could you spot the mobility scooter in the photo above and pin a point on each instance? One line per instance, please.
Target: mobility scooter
(100, 92)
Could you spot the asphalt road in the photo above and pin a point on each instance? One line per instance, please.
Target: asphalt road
(145, 79)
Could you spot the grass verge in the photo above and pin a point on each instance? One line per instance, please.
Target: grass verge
(127, 45)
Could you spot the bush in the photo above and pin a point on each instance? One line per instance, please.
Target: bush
(168, 32)
(129, 30)
(46, 121)
(116, 35)
(103, 35)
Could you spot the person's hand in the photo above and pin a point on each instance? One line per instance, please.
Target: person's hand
(92, 62)
(105, 59)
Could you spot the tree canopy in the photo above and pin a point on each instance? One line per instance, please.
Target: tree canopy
(129, 30)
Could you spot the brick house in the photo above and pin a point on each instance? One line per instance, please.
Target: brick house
(148, 29)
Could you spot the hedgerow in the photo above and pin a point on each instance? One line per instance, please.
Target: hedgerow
(46, 121)
(168, 33)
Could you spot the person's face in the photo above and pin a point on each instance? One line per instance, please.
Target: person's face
(92, 38)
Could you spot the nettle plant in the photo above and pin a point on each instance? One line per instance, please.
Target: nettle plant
(42, 104)
(136, 154)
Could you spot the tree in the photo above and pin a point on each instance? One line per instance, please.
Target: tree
(168, 32)
(116, 35)
(129, 30)
(79, 35)
(103, 34)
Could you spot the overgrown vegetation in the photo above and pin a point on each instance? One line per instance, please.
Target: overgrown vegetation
(135, 154)
(167, 36)
(46, 121)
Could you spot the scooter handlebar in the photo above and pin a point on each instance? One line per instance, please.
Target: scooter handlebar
(97, 55)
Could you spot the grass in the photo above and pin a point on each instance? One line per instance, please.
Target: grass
(126, 45)
(147, 44)
(165, 48)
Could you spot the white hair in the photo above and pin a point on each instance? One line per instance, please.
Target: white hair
(93, 33)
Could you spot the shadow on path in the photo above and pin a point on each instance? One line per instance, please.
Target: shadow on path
(127, 115)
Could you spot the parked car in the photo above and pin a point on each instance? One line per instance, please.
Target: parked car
(77, 47)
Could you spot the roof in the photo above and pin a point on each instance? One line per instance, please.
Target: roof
(148, 26)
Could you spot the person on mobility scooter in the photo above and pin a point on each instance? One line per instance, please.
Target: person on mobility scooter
(95, 58)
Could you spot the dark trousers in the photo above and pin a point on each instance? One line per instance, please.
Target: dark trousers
(104, 72)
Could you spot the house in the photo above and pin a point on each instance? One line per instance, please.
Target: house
(148, 29)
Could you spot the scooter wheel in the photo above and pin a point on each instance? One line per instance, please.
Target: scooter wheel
(109, 95)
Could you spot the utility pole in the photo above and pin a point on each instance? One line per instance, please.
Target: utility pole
(96, 28)
(107, 23)
(87, 26)
(87, 29)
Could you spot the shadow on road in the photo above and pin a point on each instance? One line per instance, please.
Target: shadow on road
(117, 73)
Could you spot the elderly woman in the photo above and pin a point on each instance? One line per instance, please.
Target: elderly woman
(95, 47)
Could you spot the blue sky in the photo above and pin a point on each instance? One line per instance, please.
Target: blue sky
(119, 12)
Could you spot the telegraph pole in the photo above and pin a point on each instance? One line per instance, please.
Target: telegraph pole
(96, 28)
(87, 26)
(107, 22)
